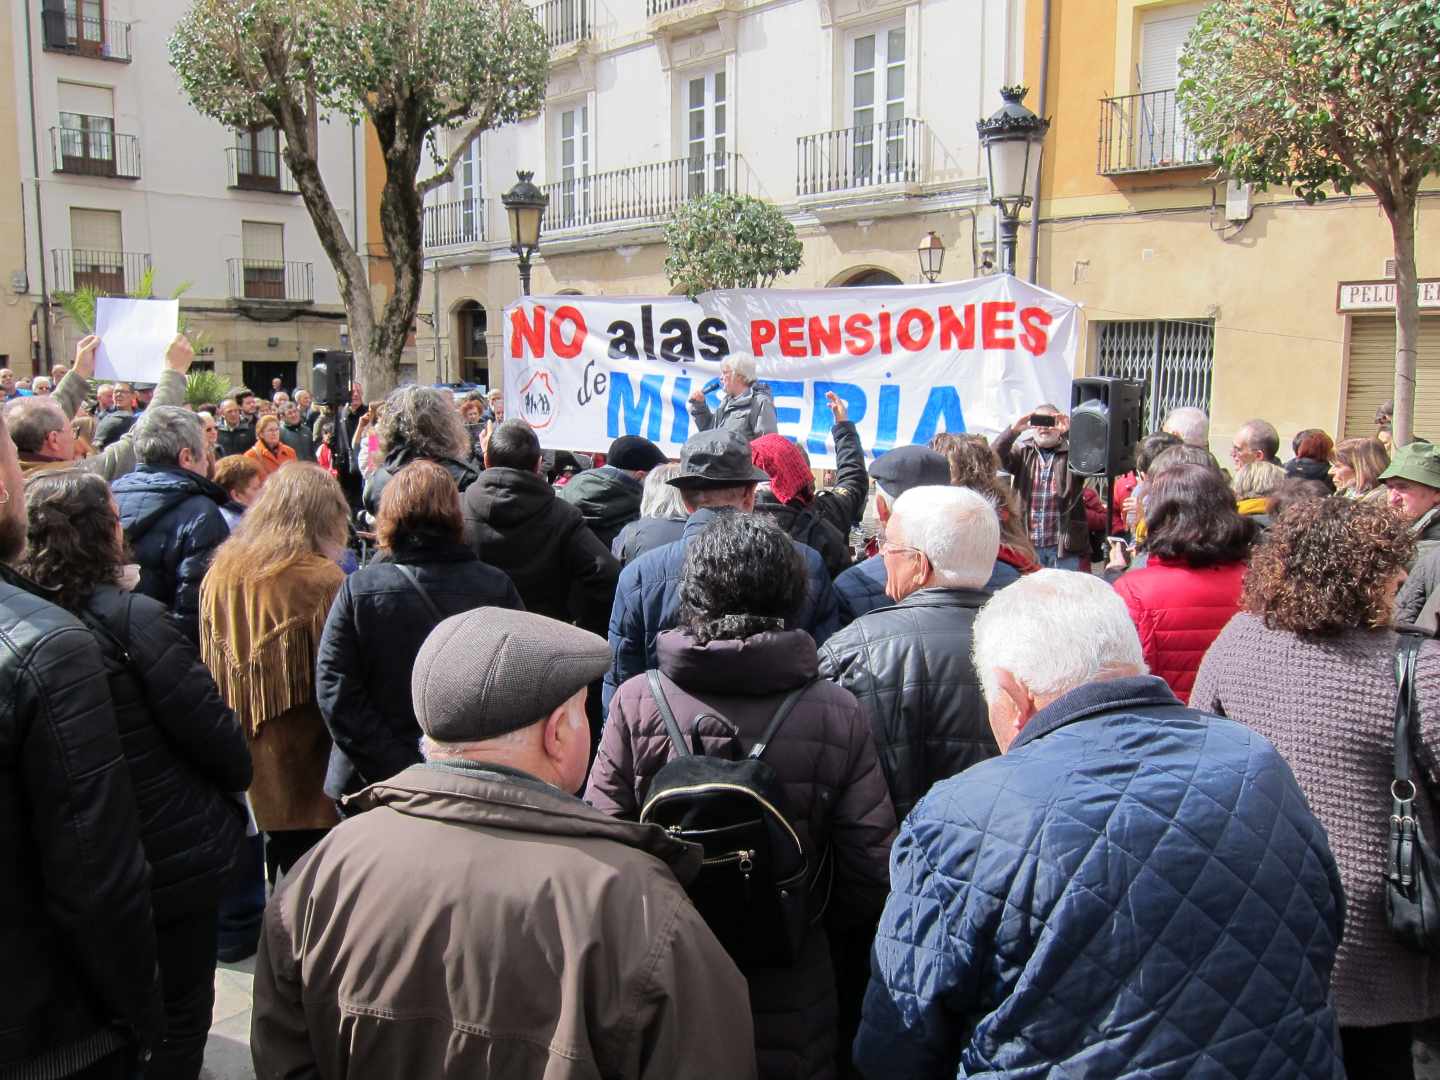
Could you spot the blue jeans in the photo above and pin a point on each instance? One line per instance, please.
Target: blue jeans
(1050, 558)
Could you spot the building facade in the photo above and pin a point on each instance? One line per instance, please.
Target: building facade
(1248, 303)
(856, 117)
(121, 177)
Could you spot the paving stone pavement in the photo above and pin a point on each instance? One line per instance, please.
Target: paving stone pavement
(227, 1053)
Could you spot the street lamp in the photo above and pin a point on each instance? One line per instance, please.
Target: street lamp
(932, 256)
(525, 203)
(1011, 139)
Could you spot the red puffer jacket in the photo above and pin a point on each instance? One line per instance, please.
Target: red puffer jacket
(1179, 611)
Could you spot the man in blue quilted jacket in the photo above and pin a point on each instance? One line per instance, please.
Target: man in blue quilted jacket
(1132, 889)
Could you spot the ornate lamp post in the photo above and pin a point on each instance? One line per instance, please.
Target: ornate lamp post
(1011, 139)
(932, 256)
(525, 204)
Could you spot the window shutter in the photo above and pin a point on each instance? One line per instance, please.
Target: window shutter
(95, 230)
(263, 241)
(1162, 39)
(87, 100)
(1371, 379)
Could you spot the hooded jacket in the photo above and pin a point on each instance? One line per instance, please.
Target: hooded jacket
(835, 795)
(515, 522)
(752, 414)
(547, 940)
(464, 472)
(607, 498)
(172, 521)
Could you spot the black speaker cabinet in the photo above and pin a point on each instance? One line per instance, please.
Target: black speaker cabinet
(1104, 425)
(333, 374)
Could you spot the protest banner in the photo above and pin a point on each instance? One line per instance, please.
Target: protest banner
(909, 360)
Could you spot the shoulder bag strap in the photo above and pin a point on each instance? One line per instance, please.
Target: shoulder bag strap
(758, 750)
(672, 726)
(408, 572)
(1406, 650)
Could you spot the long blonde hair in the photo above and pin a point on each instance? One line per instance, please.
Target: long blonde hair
(301, 511)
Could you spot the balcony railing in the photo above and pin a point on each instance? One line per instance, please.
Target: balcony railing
(640, 193)
(95, 152)
(1145, 133)
(272, 279)
(870, 155)
(660, 7)
(258, 170)
(113, 272)
(565, 21)
(82, 35)
(449, 223)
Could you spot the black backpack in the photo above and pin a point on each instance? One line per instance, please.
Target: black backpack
(753, 889)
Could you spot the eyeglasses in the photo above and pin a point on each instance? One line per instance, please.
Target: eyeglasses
(887, 545)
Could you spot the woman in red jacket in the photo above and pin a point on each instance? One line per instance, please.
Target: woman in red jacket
(1198, 544)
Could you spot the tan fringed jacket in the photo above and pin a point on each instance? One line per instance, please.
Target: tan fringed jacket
(259, 640)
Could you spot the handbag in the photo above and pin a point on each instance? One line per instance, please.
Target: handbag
(1412, 870)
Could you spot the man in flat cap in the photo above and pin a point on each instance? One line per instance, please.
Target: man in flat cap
(716, 476)
(480, 921)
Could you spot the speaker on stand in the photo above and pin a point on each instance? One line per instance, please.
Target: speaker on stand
(1104, 430)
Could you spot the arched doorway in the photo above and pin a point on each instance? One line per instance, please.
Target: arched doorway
(472, 327)
(866, 276)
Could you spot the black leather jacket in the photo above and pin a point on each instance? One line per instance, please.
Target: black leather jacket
(77, 945)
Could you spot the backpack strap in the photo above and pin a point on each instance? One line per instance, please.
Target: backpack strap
(791, 699)
(408, 573)
(672, 726)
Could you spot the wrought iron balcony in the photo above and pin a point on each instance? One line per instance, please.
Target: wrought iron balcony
(95, 151)
(640, 193)
(566, 22)
(83, 35)
(661, 7)
(258, 170)
(112, 272)
(272, 279)
(1145, 133)
(868, 156)
(451, 223)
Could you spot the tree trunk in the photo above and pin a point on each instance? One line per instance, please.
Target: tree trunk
(401, 225)
(1407, 315)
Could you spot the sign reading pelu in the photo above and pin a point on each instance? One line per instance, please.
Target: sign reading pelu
(910, 361)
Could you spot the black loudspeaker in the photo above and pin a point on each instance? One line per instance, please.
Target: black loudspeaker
(1104, 425)
(332, 377)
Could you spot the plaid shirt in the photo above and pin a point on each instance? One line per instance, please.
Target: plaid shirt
(1045, 499)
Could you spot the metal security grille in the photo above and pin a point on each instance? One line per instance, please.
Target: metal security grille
(1173, 358)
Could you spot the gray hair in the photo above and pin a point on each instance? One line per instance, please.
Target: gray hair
(39, 379)
(1189, 424)
(31, 420)
(1260, 435)
(1258, 478)
(105, 386)
(423, 420)
(1054, 630)
(436, 750)
(659, 499)
(741, 365)
(956, 529)
(163, 431)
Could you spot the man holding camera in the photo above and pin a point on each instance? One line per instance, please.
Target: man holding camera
(1035, 451)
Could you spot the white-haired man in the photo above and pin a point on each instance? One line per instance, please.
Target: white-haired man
(1133, 888)
(1190, 425)
(748, 406)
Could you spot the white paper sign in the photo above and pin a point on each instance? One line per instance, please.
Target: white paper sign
(134, 335)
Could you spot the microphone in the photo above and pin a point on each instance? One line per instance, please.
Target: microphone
(710, 387)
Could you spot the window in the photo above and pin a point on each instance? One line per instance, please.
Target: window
(263, 265)
(85, 26)
(467, 193)
(1163, 137)
(1172, 357)
(706, 133)
(474, 346)
(257, 159)
(87, 129)
(97, 251)
(876, 87)
(573, 155)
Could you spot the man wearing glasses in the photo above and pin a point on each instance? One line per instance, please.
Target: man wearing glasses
(1257, 440)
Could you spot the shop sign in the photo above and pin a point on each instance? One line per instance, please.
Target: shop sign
(1357, 296)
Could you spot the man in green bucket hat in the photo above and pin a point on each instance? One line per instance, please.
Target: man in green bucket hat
(1413, 482)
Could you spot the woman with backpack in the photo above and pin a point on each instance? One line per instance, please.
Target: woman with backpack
(724, 674)
(185, 752)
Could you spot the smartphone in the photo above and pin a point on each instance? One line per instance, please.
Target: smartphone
(1041, 420)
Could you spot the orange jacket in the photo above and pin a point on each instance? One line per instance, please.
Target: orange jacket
(269, 460)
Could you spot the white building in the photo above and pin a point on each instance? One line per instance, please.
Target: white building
(120, 174)
(855, 116)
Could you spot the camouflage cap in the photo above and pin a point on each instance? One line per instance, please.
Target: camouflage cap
(1418, 462)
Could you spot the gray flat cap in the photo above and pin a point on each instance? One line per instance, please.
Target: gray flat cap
(488, 671)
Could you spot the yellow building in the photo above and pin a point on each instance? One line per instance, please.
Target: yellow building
(18, 325)
(1250, 303)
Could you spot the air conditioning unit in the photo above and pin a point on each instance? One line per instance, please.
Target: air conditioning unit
(1389, 272)
(1237, 201)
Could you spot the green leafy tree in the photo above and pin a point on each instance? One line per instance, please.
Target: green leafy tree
(206, 386)
(729, 242)
(1324, 95)
(411, 67)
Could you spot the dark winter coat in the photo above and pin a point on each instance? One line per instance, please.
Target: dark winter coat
(189, 761)
(515, 522)
(834, 790)
(644, 535)
(373, 634)
(464, 473)
(752, 414)
(909, 667)
(300, 438)
(173, 523)
(862, 588)
(647, 601)
(77, 940)
(113, 428)
(607, 498)
(825, 524)
(235, 440)
(1074, 529)
(1134, 890)
(803, 525)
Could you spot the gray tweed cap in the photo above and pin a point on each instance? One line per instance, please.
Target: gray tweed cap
(488, 671)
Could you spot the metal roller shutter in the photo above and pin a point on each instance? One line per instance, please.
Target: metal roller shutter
(1371, 380)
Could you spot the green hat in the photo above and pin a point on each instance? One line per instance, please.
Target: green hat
(1419, 462)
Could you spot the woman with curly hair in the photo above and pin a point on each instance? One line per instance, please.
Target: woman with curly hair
(974, 465)
(1197, 544)
(1309, 664)
(186, 756)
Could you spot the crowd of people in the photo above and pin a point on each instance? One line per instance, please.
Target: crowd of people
(517, 762)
